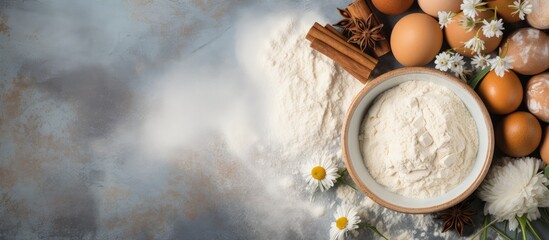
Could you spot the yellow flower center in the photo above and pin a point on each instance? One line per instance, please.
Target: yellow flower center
(318, 173)
(341, 223)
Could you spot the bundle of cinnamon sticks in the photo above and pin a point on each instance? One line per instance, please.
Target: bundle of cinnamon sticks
(328, 41)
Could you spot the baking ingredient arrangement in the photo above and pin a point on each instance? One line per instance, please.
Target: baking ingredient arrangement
(425, 136)
(418, 139)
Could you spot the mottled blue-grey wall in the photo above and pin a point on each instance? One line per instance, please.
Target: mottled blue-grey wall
(112, 124)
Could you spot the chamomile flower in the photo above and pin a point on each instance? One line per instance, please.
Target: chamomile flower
(346, 219)
(467, 23)
(445, 18)
(522, 7)
(321, 174)
(480, 61)
(515, 188)
(470, 7)
(500, 65)
(442, 61)
(456, 64)
(492, 28)
(475, 44)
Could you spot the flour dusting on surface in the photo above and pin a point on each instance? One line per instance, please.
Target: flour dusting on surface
(310, 94)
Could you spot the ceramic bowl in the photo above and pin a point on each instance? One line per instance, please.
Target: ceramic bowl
(378, 193)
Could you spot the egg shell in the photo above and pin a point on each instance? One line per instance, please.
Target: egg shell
(501, 95)
(432, 7)
(392, 7)
(416, 39)
(537, 96)
(529, 48)
(544, 149)
(518, 134)
(504, 11)
(539, 17)
(456, 35)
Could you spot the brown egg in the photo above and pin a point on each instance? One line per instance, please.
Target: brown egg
(456, 35)
(544, 149)
(518, 134)
(392, 7)
(504, 11)
(529, 48)
(537, 96)
(539, 17)
(501, 95)
(432, 7)
(416, 39)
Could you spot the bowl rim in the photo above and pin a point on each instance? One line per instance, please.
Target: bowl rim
(403, 71)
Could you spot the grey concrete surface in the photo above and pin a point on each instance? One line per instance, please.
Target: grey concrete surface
(111, 124)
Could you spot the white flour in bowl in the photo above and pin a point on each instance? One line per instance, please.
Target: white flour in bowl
(418, 139)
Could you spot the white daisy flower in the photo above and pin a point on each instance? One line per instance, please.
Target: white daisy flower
(480, 61)
(475, 44)
(321, 174)
(522, 8)
(492, 28)
(445, 18)
(456, 62)
(457, 65)
(442, 61)
(514, 188)
(467, 23)
(469, 7)
(347, 219)
(501, 65)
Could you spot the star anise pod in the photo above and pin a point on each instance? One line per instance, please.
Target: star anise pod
(347, 22)
(364, 34)
(457, 216)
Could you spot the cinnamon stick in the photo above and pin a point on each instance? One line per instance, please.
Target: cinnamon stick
(344, 61)
(328, 37)
(332, 29)
(361, 10)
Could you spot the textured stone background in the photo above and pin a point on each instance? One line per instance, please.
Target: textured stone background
(116, 123)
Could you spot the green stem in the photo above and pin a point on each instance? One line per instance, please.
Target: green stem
(346, 183)
(484, 227)
(342, 179)
(516, 234)
(374, 229)
(501, 233)
(478, 31)
(522, 224)
(545, 216)
(532, 230)
(480, 75)
(485, 231)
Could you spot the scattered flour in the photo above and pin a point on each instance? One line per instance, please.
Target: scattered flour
(347, 195)
(311, 94)
(418, 139)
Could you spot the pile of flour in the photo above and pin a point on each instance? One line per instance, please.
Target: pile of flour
(418, 139)
(310, 94)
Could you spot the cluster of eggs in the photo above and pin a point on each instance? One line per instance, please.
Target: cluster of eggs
(417, 38)
(519, 133)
